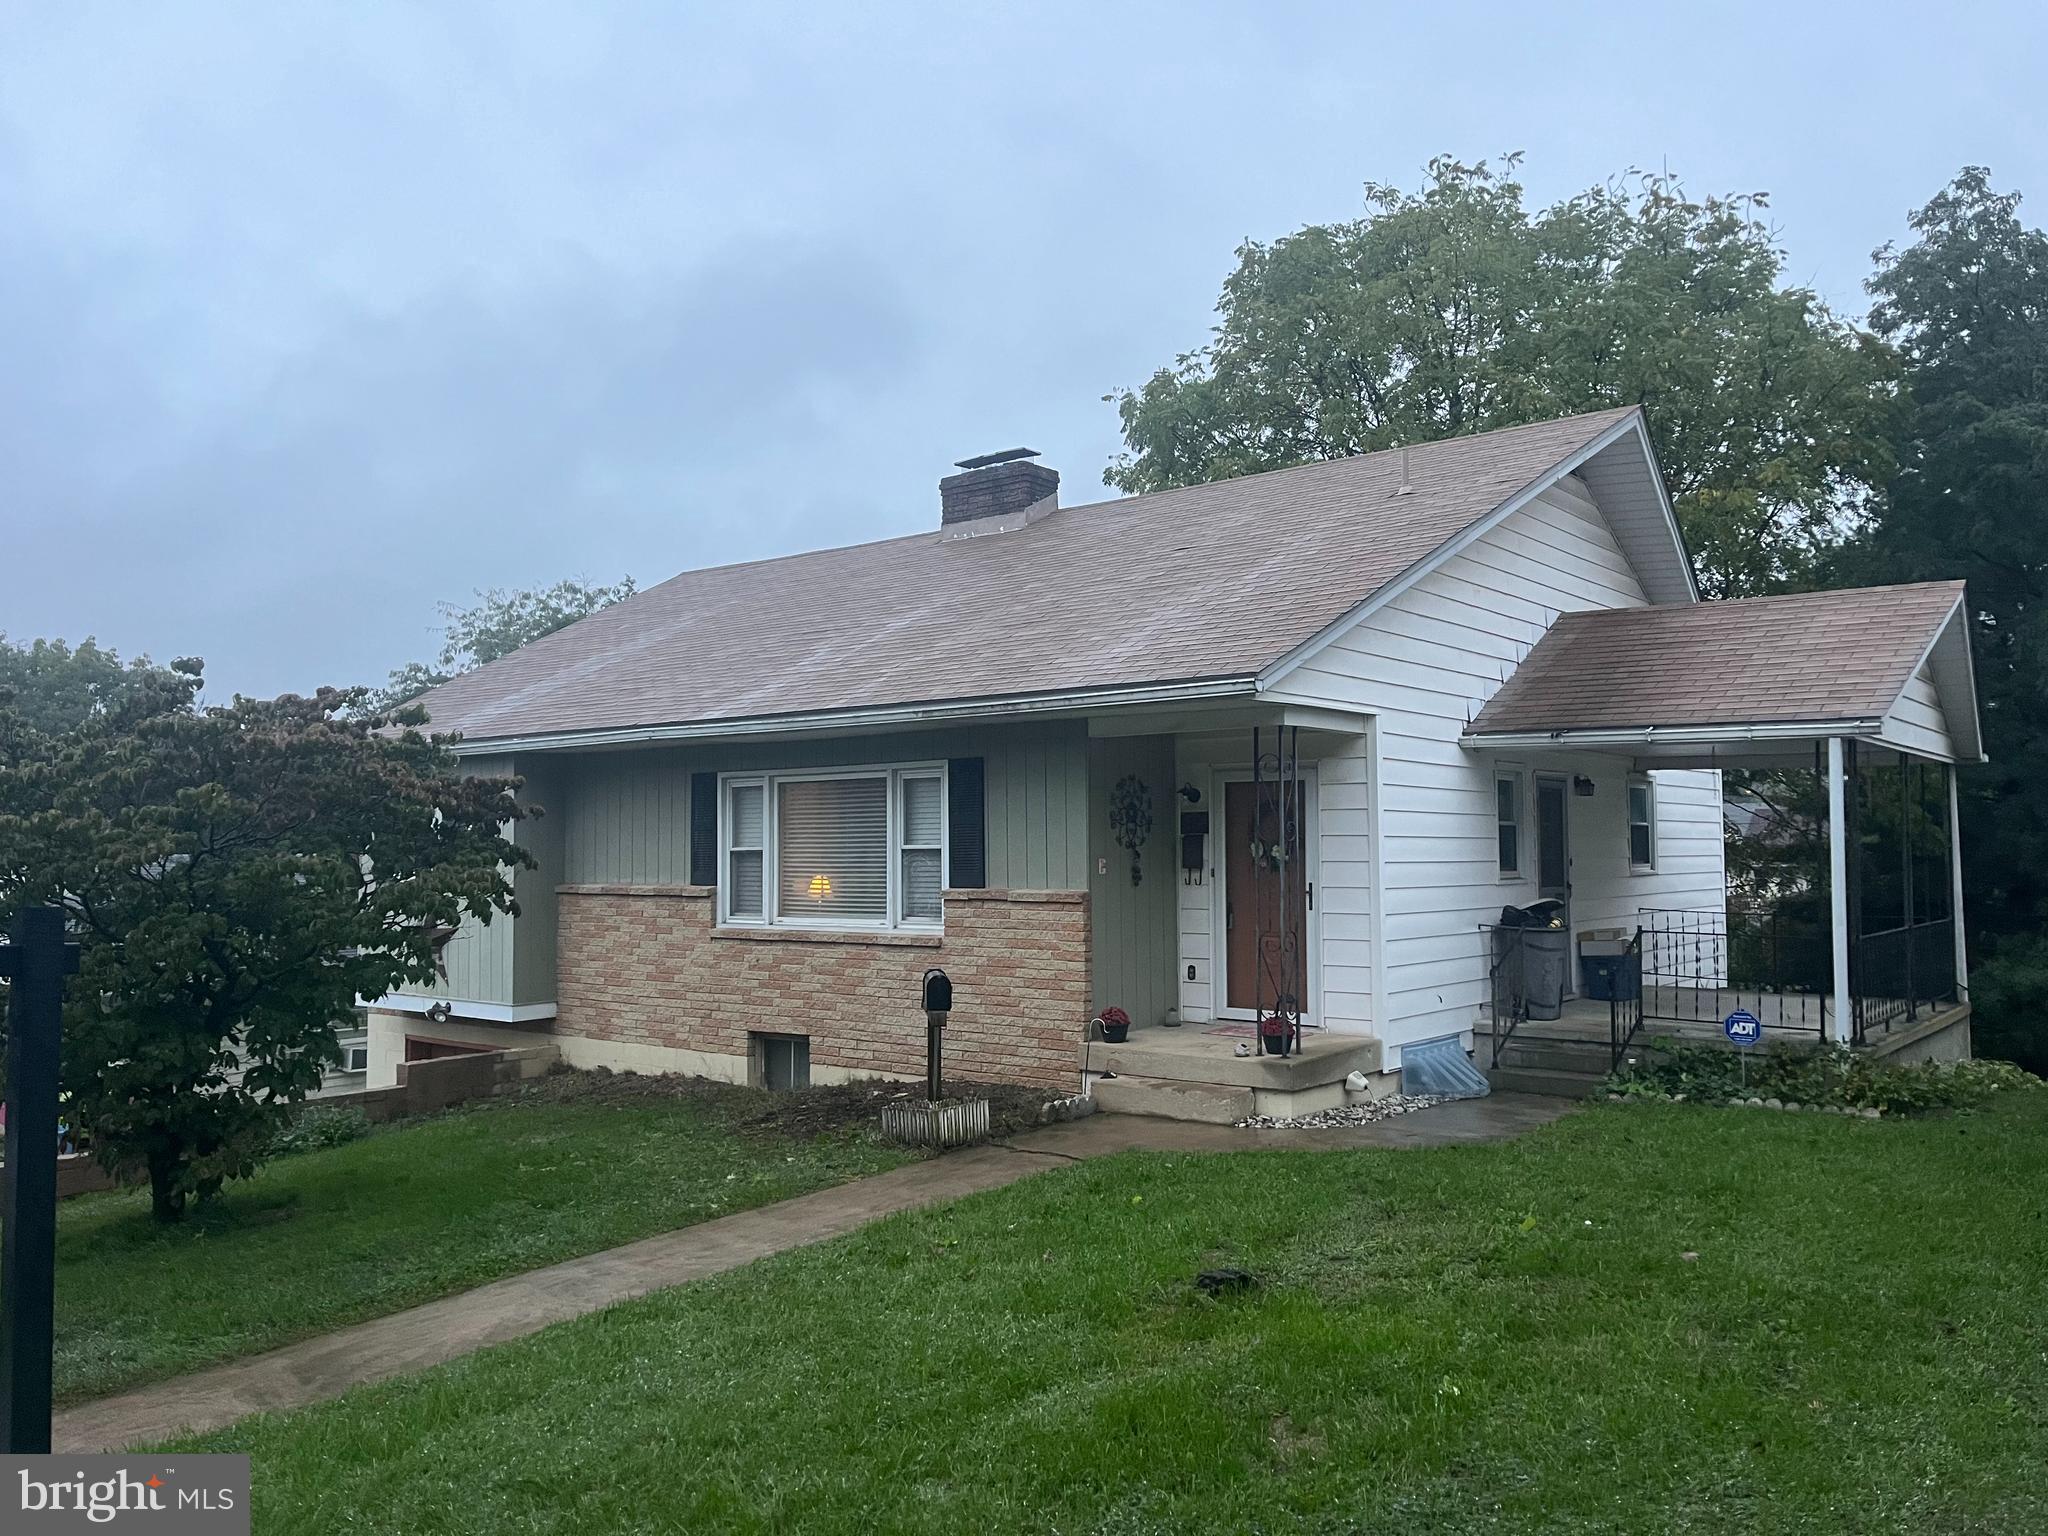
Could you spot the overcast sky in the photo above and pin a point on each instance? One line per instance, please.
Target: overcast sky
(311, 317)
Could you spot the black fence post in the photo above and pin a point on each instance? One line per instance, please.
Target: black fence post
(35, 964)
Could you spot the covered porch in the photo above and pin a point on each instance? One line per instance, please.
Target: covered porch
(1835, 721)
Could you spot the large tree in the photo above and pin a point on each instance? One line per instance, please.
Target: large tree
(498, 623)
(1966, 305)
(1457, 309)
(54, 686)
(237, 877)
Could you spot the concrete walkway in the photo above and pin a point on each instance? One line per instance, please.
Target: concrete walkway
(329, 1365)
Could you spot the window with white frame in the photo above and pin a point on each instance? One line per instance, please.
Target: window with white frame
(840, 848)
(1642, 823)
(1507, 817)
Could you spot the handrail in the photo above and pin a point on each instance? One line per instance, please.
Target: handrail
(1625, 1002)
(1505, 1019)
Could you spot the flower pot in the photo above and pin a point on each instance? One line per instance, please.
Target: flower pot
(937, 1125)
(1115, 1034)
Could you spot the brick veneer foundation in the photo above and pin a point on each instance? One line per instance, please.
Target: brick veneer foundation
(644, 965)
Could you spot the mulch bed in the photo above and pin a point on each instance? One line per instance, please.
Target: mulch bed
(844, 1109)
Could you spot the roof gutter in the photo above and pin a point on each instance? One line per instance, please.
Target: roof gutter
(891, 717)
(1676, 735)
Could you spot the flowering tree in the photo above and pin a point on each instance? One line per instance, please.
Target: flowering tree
(236, 876)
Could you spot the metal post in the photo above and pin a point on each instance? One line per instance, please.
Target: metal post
(934, 1028)
(35, 964)
(1838, 884)
(1955, 874)
(1258, 894)
(1906, 809)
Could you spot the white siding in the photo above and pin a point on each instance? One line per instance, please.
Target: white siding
(1691, 863)
(1917, 723)
(1424, 664)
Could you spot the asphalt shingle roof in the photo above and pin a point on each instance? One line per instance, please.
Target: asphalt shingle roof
(1810, 656)
(1207, 582)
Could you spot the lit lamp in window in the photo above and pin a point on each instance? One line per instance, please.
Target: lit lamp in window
(821, 888)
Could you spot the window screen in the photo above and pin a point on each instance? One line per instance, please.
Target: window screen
(1507, 796)
(924, 827)
(745, 847)
(1642, 824)
(832, 850)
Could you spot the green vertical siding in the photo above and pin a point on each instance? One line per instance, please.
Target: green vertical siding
(480, 958)
(1134, 938)
(533, 931)
(626, 814)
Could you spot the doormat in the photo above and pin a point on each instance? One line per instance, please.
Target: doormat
(1246, 1030)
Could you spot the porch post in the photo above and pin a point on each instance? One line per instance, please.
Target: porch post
(1955, 870)
(1838, 887)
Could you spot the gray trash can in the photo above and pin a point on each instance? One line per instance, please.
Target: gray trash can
(1546, 958)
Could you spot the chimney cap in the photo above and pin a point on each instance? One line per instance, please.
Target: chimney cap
(1007, 456)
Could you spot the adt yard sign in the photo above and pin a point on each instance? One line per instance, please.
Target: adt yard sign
(1743, 1027)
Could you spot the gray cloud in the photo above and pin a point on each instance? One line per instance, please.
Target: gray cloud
(311, 317)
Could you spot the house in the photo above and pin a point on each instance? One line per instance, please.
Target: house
(1279, 747)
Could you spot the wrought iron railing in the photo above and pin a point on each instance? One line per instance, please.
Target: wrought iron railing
(1903, 972)
(1508, 998)
(1625, 1001)
(1508, 987)
(1702, 964)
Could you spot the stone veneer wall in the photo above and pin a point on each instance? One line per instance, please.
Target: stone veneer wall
(647, 966)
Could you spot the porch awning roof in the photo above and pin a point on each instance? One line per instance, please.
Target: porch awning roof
(1890, 664)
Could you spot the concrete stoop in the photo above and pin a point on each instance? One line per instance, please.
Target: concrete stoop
(1210, 1103)
(1192, 1075)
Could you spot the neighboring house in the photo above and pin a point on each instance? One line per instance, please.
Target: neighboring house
(347, 1075)
(1048, 749)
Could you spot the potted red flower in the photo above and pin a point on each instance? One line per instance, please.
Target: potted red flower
(1115, 1025)
(1277, 1034)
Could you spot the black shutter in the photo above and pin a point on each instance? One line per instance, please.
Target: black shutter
(966, 825)
(703, 829)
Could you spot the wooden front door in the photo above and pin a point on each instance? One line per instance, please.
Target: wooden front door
(1253, 901)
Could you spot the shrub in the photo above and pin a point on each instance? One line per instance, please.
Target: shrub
(1832, 1076)
(320, 1126)
(2009, 1001)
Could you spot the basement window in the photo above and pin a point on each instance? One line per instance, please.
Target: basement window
(781, 1062)
(850, 849)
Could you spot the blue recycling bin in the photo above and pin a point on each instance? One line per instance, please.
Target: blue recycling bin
(1609, 978)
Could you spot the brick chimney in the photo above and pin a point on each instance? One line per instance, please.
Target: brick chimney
(997, 491)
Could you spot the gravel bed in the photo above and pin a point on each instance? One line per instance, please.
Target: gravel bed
(1366, 1112)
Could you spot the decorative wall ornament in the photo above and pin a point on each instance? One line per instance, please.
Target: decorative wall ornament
(1130, 819)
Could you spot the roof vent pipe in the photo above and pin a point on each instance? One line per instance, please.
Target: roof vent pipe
(1406, 486)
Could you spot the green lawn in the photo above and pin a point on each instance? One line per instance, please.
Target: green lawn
(412, 1212)
(1641, 1319)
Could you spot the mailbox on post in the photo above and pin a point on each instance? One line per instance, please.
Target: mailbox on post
(938, 1002)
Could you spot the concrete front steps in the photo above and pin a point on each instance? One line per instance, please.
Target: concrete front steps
(1186, 1074)
(1564, 1069)
(1210, 1103)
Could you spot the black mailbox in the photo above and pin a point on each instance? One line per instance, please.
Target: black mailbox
(938, 991)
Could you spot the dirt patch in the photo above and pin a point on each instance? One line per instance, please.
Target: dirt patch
(844, 1109)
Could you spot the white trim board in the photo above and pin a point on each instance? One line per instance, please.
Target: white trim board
(487, 1013)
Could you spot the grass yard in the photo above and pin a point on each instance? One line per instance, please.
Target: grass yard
(1640, 1319)
(414, 1211)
